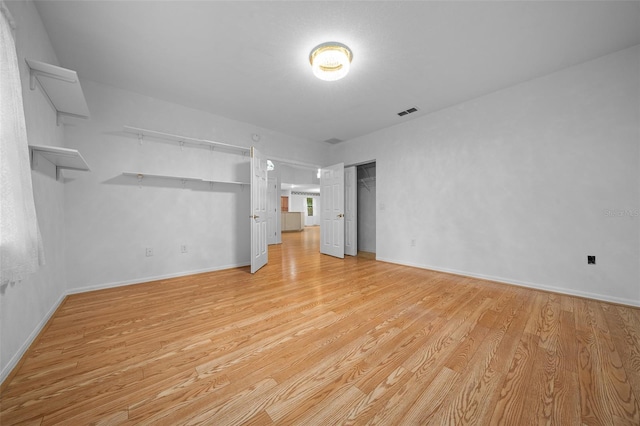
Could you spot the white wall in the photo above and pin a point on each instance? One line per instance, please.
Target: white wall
(26, 306)
(298, 203)
(515, 185)
(299, 175)
(111, 220)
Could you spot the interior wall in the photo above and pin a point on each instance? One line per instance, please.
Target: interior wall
(299, 175)
(367, 211)
(520, 185)
(298, 203)
(26, 306)
(112, 219)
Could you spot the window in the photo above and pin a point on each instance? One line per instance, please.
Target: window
(309, 206)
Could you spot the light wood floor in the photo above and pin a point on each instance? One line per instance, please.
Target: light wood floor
(315, 340)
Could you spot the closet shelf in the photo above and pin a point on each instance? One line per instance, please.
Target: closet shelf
(140, 176)
(62, 158)
(62, 88)
(183, 140)
(365, 180)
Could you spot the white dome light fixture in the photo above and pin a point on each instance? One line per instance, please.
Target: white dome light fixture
(330, 61)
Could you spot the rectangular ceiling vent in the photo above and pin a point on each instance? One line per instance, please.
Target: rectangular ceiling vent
(334, 141)
(408, 111)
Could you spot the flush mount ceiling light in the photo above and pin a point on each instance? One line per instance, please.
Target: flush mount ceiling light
(330, 61)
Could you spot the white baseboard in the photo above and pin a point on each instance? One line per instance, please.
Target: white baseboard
(153, 278)
(561, 290)
(13, 362)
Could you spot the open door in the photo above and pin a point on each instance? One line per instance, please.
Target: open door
(351, 211)
(332, 215)
(259, 252)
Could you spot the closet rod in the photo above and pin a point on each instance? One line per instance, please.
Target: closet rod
(185, 139)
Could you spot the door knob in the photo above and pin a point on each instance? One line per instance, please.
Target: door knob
(255, 216)
(341, 215)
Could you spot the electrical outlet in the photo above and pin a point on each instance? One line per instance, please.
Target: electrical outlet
(591, 260)
(149, 252)
(183, 248)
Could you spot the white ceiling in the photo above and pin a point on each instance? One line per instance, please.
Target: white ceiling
(249, 60)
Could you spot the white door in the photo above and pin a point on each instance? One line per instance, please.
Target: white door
(273, 205)
(259, 252)
(350, 211)
(332, 216)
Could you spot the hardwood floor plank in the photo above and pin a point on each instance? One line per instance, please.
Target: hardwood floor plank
(540, 398)
(566, 405)
(627, 340)
(606, 391)
(188, 389)
(516, 386)
(330, 401)
(312, 339)
(299, 387)
(240, 409)
(429, 401)
(624, 404)
(364, 405)
(477, 383)
(401, 396)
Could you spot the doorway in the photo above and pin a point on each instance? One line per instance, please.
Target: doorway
(295, 199)
(367, 207)
(348, 219)
(297, 184)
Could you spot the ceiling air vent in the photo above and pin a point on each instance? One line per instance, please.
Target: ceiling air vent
(408, 111)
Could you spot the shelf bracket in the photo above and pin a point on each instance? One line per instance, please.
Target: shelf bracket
(34, 159)
(32, 79)
(140, 177)
(181, 145)
(140, 138)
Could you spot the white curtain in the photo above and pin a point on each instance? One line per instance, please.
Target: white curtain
(20, 245)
